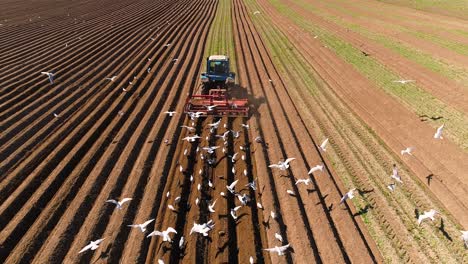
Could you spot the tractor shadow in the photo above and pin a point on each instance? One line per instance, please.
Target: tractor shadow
(237, 91)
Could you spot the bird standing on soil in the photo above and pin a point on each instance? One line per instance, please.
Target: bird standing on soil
(391, 187)
(164, 234)
(348, 195)
(171, 207)
(427, 214)
(323, 146)
(282, 165)
(273, 215)
(51, 76)
(438, 133)
(142, 226)
(316, 168)
(256, 12)
(93, 245)
(279, 250)
(119, 204)
(290, 192)
(408, 151)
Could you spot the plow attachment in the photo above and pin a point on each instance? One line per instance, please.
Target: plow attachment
(216, 103)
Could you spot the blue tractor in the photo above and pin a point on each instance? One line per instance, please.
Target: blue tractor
(218, 74)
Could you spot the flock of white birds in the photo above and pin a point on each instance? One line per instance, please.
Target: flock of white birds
(244, 199)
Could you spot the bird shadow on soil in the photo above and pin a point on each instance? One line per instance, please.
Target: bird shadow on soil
(363, 210)
(364, 191)
(222, 248)
(425, 118)
(104, 254)
(309, 191)
(323, 198)
(442, 229)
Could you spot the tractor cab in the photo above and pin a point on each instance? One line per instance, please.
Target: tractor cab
(217, 73)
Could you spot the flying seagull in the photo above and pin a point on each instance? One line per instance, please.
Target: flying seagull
(403, 81)
(92, 245)
(202, 228)
(408, 151)
(323, 146)
(256, 12)
(112, 78)
(282, 165)
(279, 250)
(142, 226)
(170, 113)
(348, 195)
(232, 186)
(164, 234)
(316, 168)
(427, 214)
(465, 238)
(305, 181)
(51, 76)
(438, 134)
(119, 204)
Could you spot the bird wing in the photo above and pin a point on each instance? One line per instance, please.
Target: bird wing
(237, 208)
(171, 230)
(233, 184)
(324, 143)
(270, 249)
(344, 198)
(289, 160)
(439, 130)
(124, 200)
(112, 201)
(147, 222)
(274, 166)
(85, 248)
(155, 233)
(283, 248)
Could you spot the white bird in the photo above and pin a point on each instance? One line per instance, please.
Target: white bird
(222, 194)
(210, 108)
(251, 260)
(202, 228)
(119, 204)
(407, 151)
(465, 238)
(199, 187)
(56, 115)
(163, 234)
(125, 90)
(246, 126)
(273, 215)
(171, 207)
(185, 152)
(167, 194)
(279, 250)
(160, 261)
(177, 199)
(403, 81)
(175, 60)
(93, 245)
(148, 70)
(252, 185)
(215, 124)
(256, 12)
(260, 206)
(282, 165)
(181, 169)
(189, 128)
(391, 187)
(210, 184)
(167, 45)
(244, 199)
(395, 174)
(427, 214)
(191, 139)
(170, 113)
(233, 170)
(323, 146)
(211, 206)
(142, 226)
(245, 172)
(233, 212)
(197, 201)
(210, 150)
(279, 237)
(232, 186)
(290, 192)
(233, 158)
(243, 157)
(181, 242)
(51, 76)
(438, 134)
(316, 168)
(111, 78)
(348, 195)
(305, 181)
(235, 134)
(191, 178)
(223, 136)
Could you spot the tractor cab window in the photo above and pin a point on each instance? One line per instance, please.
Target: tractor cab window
(218, 67)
